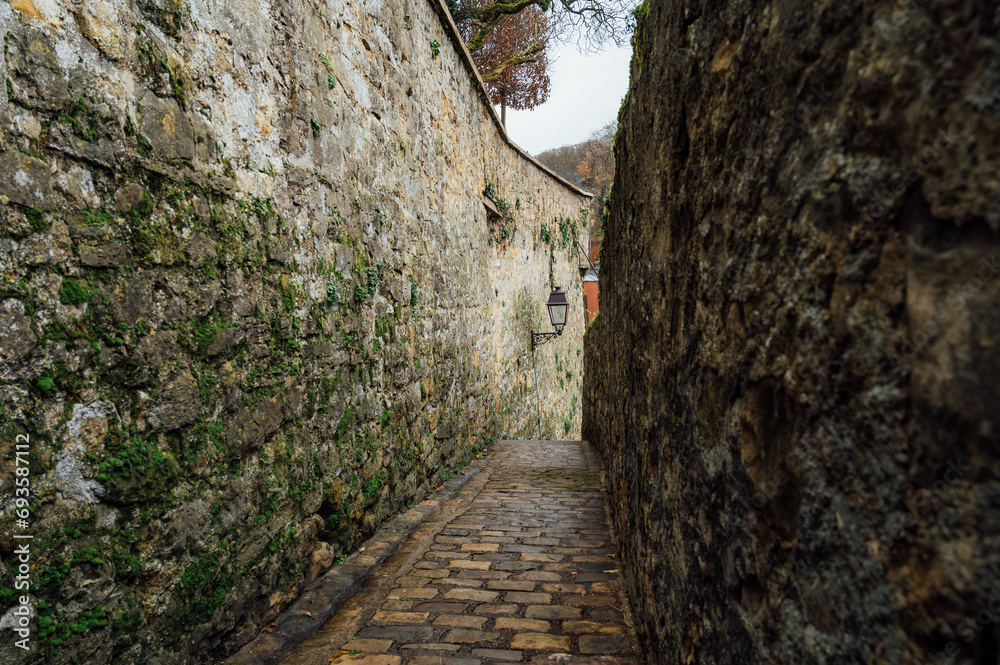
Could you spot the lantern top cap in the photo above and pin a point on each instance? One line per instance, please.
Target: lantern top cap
(557, 297)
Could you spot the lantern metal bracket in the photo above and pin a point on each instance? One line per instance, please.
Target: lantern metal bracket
(539, 338)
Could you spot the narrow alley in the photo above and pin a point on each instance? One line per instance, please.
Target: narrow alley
(517, 567)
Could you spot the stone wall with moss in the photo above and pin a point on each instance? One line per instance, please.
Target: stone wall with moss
(793, 378)
(251, 304)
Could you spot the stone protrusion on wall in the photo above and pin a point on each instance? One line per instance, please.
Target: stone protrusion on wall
(792, 378)
(251, 304)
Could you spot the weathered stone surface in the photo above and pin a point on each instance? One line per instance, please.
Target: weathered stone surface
(166, 127)
(179, 403)
(83, 435)
(111, 255)
(17, 338)
(224, 340)
(48, 248)
(101, 151)
(21, 122)
(132, 298)
(26, 180)
(128, 197)
(38, 77)
(156, 348)
(98, 23)
(790, 378)
(254, 424)
(200, 250)
(289, 310)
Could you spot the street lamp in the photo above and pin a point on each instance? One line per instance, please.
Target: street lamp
(558, 306)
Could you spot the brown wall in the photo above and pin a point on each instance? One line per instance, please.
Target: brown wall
(590, 302)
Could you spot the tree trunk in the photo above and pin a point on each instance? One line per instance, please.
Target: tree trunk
(503, 112)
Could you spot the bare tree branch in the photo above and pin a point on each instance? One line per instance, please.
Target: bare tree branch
(589, 23)
(523, 58)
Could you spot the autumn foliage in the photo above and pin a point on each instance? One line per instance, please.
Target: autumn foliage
(513, 61)
(589, 165)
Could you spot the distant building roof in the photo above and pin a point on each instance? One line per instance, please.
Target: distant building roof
(591, 276)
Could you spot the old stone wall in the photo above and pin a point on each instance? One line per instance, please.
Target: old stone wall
(793, 376)
(251, 303)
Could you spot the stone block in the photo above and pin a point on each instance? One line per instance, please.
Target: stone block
(26, 180)
(17, 336)
(400, 617)
(602, 644)
(461, 621)
(38, 76)
(128, 196)
(465, 636)
(156, 348)
(552, 612)
(254, 425)
(166, 127)
(540, 642)
(111, 255)
(200, 250)
(179, 403)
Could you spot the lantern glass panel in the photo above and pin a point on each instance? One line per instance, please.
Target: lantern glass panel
(557, 314)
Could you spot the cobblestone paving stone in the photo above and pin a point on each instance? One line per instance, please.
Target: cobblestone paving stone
(522, 572)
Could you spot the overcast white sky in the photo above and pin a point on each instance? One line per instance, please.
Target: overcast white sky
(586, 93)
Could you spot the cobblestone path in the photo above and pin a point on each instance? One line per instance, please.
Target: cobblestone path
(520, 570)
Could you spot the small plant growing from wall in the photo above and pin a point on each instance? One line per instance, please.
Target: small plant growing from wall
(435, 49)
(331, 80)
(367, 285)
(502, 228)
(545, 235)
(332, 293)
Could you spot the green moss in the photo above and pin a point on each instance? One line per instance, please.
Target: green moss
(128, 621)
(126, 563)
(564, 229)
(73, 292)
(202, 589)
(544, 235)
(208, 383)
(367, 285)
(373, 485)
(641, 14)
(7, 594)
(52, 633)
(332, 293)
(503, 229)
(52, 576)
(210, 431)
(13, 288)
(37, 220)
(344, 426)
(200, 335)
(87, 555)
(134, 470)
(84, 127)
